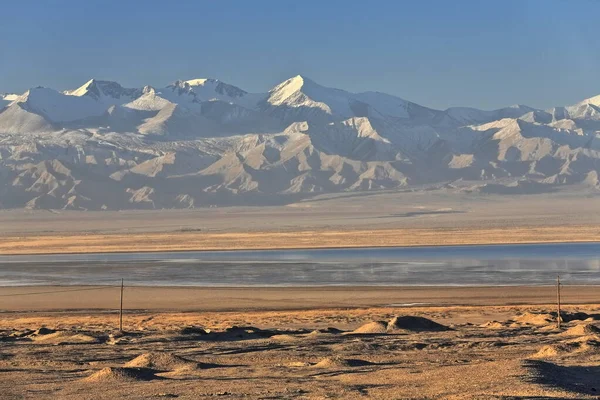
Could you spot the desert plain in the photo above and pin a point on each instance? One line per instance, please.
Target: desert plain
(303, 342)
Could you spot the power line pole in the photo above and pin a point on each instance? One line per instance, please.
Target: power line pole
(558, 318)
(121, 310)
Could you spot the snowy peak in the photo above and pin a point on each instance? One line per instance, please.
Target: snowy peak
(595, 101)
(148, 101)
(100, 90)
(201, 142)
(286, 89)
(7, 98)
(180, 89)
(56, 106)
(301, 98)
(202, 90)
(221, 88)
(198, 82)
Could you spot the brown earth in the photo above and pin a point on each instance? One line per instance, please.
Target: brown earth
(93, 243)
(342, 220)
(298, 355)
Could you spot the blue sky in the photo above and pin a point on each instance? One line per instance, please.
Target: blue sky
(484, 54)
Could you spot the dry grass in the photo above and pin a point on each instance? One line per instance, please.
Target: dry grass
(179, 241)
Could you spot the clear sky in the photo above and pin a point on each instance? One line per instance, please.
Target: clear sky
(479, 53)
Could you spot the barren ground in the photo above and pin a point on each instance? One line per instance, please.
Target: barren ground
(345, 220)
(303, 343)
(491, 352)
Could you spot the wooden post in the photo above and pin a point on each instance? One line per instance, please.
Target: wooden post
(121, 310)
(558, 301)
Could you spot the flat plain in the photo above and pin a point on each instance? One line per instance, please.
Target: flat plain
(451, 352)
(343, 220)
(311, 342)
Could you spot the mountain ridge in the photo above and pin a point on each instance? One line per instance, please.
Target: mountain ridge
(203, 142)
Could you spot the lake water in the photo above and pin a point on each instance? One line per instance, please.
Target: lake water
(535, 264)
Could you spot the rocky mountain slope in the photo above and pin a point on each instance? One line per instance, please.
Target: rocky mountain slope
(203, 142)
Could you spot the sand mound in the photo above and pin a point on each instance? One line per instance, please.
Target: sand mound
(493, 325)
(581, 330)
(372, 327)
(535, 318)
(575, 316)
(415, 324)
(194, 330)
(243, 333)
(64, 337)
(329, 330)
(581, 345)
(555, 350)
(285, 338)
(323, 333)
(545, 328)
(298, 364)
(121, 375)
(162, 362)
(43, 331)
(338, 362)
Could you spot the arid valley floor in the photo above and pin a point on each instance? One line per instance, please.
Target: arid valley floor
(303, 343)
(341, 220)
(492, 352)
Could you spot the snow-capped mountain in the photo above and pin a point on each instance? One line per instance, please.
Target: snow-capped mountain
(7, 98)
(202, 142)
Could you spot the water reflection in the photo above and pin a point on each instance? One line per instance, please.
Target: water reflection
(455, 265)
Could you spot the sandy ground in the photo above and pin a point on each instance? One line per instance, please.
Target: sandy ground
(303, 343)
(92, 243)
(450, 352)
(135, 242)
(361, 211)
(197, 299)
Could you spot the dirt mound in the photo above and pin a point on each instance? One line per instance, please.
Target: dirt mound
(415, 324)
(372, 328)
(582, 345)
(530, 318)
(552, 328)
(323, 333)
(285, 338)
(338, 362)
(43, 331)
(493, 325)
(162, 362)
(298, 364)
(64, 337)
(555, 350)
(109, 374)
(242, 333)
(576, 316)
(581, 330)
(194, 330)
(328, 330)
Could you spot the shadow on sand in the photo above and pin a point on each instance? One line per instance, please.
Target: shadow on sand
(578, 379)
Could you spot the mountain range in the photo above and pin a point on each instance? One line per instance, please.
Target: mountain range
(203, 142)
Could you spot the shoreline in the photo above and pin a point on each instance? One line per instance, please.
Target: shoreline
(292, 240)
(26, 299)
(341, 247)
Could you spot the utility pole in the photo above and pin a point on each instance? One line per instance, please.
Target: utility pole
(121, 310)
(558, 318)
